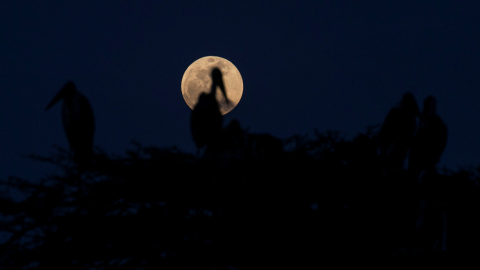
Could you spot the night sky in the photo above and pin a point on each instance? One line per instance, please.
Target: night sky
(329, 65)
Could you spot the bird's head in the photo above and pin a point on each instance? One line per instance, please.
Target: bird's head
(67, 92)
(429, 106)
(408, 101)
(217, 80)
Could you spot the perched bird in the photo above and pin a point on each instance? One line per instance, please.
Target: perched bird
(206, 122)
(430, 139)
(427, 147)
(78, 121)
(263, 145)
(397, 131)
(234, 138)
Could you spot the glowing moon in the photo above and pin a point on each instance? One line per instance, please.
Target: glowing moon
(196, 80)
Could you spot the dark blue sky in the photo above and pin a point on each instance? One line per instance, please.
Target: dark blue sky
(337, 65)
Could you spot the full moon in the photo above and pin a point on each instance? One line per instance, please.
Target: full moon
(197, 80)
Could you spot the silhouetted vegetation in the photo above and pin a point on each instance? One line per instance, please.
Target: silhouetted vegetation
(317, 199)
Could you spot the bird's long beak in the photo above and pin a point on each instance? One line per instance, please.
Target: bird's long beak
(58, 97)
(222, 88)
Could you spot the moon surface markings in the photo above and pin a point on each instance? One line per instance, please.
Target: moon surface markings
(196, 80)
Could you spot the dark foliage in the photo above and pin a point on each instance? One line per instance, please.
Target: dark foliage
(322, 199)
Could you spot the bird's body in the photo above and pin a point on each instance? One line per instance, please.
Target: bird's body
(397, 131)
(263, 145)
(206, 121)
(234, 138)
(78, 121)
(430, 139)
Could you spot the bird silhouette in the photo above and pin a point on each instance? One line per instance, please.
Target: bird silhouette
(430, 139)
(234, 137)
(397, 131)
(263, 145)
(206, 122)
(78, 121)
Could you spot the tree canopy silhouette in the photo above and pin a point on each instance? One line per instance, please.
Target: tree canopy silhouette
(320, 197)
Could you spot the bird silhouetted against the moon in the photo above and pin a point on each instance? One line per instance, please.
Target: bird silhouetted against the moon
(206, 122)
(197, 80)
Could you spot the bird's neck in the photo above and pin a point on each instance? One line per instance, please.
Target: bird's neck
(213, 90)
